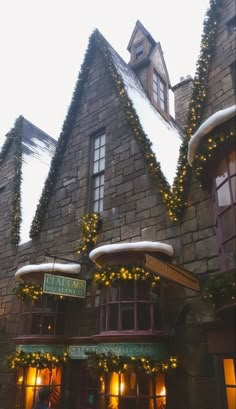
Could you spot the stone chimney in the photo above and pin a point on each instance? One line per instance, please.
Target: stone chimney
(182, 96)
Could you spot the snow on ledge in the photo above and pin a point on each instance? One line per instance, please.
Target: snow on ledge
(132, 247)
(214, 120)
(48, 268)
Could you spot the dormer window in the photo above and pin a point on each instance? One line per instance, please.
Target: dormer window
(139, 50)
(159, 91)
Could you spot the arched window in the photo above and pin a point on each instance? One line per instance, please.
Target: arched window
(131, 305)
(45, 316)
(224, 196)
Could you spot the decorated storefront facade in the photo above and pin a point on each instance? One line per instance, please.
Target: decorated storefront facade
(124, 296)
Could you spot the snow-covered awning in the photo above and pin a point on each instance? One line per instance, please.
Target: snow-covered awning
(52, 268)
(138, 247)
(212, 122)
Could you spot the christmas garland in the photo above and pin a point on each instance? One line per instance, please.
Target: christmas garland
(29, 291)
(220, 288)
(88, 232)
(114, 363)
(208, 149)
(174, 199)
(40, 360)
(111, 275)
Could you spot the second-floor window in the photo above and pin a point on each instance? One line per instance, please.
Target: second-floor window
(159, 91)
(131, 305)
(98, 172)
(224, 195)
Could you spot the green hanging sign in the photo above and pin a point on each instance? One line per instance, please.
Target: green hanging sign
(68, 287)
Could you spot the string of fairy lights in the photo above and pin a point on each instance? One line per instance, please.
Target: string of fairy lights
(110, 362)
(40, 360)
(175, 197)
(88, 232)
(109, 276)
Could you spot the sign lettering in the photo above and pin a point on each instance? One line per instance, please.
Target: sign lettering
(58, 285)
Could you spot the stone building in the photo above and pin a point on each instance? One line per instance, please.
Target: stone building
(134, 233)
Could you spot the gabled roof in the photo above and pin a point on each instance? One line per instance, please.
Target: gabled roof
(146, 33)
(158, 139)
(34, 151)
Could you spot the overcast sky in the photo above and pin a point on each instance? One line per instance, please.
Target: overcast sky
(43, 42)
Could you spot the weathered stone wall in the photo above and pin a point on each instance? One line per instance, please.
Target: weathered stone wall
(182, 96)
(221, 87)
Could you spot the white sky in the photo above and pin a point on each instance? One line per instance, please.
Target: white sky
(43, 42)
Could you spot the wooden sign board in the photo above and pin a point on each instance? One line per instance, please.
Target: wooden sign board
(172, 273)
(58, 285)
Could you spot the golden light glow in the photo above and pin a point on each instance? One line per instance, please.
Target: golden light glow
(163, 391)
(38, 380)
(20, 380)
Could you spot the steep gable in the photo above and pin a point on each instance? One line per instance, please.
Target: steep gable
(24, 162)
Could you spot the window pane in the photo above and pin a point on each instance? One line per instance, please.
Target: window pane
(157, 317)
(232, 162)
(102, 152)
(223, 195)
(113, 385)
(97, 143)
(96, 181)
(127, 315)
(95, 167)
(103, 139)
(101, 192)
(100, 206)
(143, 288)
(231, 397)
(129, 383)
(96, 194)
(96, 155)
(144, 316)
(221, 172)
(127, 290)
(101, 164)
(36, 324)
(48, 325)
(229, 371)
(95, 207)
(113, 294)
(60, 325)
(113, 317)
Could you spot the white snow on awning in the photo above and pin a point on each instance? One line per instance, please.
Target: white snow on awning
(48, 268)
(165, 136)
(212, 122)
(141, 246)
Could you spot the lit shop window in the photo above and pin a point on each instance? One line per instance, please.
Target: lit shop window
(224, 196)
(98, 172)
(45, 316)
(230, 382)
(131, 305)
(131, 390)
(29, 382)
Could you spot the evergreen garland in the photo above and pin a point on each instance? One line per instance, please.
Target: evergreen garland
(29, 291)
(114, 363)
(110, 276)
(220, 288)
(88, 232)
(211, 145)
(40, 360)
(175, 198)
